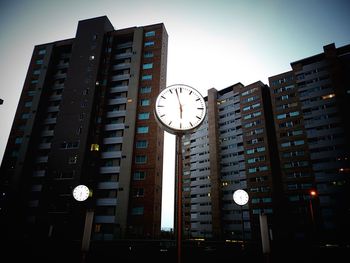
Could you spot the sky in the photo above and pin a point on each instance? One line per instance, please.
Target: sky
(211, 44)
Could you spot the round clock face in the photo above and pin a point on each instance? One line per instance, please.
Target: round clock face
(240, 197)
(81, 192)
(180, 108)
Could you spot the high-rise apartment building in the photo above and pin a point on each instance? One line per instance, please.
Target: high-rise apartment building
(85, 117)
(311, 110)
(233, 149)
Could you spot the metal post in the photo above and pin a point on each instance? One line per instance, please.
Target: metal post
(242, 226)
(179, 196)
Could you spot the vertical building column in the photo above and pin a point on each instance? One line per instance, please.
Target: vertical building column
(214, 157)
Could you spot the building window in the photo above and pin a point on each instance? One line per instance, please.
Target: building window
(144, 116)
(145, 89)
(150, 34)
(139, 175)
(19, 140)
(28, 104)
(42, 52)
(140, 159)
(149, 43)
(25, 116)
(138, 192)
(70, 145)
(95, 147)
(73, 159)
(142, 129)
(146, 77)
(137, 210)
(144, 102)
(148, 54)
(147, 66)
(36, 72)
(141, 144)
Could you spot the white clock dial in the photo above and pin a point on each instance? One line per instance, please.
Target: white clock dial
(81, 192)
(180, 108)
(240, 197)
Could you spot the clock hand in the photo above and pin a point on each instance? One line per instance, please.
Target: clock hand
(177, 94)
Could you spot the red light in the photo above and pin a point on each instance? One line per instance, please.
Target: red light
(313, 193)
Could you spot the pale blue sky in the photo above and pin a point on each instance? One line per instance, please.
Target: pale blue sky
(211, 43)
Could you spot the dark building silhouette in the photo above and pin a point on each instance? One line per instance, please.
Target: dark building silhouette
(311, 109)
(85, 116)
(234, 149)
(287, 145)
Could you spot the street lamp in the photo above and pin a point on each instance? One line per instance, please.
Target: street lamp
(179, 109)
(81, 193)
(313, 195)
(241, 198)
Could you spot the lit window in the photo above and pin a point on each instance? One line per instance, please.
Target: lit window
(94, 147)
(73, 159)
(329, 96)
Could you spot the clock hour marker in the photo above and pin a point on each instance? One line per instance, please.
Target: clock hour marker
(200, 108)
(191, 124)
(162, 115)
(163, 97)
(198, 117)
(171, 91)
(198, 99)
(160, 106)
(190, 92)
(170, 123)
(180, 90)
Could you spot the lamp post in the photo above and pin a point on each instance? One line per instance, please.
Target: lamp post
(81, 193)
(241, 198)
(313, 195)
(179, 109)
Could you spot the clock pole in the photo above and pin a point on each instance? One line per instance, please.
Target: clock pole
(179, 196)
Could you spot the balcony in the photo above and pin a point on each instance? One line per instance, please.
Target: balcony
(50, 121)
(53, 109)
(46, 133)
(42, 159)
(39, 173)
(116, 126)
(123, 55)
(117, 101)
(44, 146)
(115, 154)
(113, 140)
(121, 66)
(108, 185)
(111, 114)
(124, 45)
(109, 169)
(118, 89)
(120, 77)
(104, 219)
(55, 97)
(106, 201)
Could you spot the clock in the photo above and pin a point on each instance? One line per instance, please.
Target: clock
(180, 109)
(81, 192)
(240, 197)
